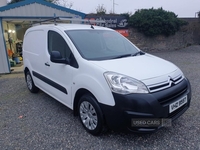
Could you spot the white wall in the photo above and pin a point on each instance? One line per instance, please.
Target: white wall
(3, 3)
(4, 64)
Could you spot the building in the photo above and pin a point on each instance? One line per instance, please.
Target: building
(16, 18)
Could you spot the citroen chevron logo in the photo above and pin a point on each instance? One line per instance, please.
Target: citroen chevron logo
(171, 81)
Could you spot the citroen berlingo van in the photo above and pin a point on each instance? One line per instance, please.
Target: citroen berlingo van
(104, 78)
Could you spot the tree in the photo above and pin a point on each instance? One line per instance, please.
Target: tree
(153, 22)
(101, 10)
(63, 3)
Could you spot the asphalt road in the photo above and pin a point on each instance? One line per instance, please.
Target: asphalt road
(37, 121)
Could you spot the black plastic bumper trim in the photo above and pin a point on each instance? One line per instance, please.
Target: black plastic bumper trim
(128, 107)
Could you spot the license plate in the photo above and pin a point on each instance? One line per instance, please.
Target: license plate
(176, 105)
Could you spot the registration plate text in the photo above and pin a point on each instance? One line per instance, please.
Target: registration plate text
(176, 105)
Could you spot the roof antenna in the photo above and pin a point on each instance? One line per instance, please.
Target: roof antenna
(91, 24)
(55, 19)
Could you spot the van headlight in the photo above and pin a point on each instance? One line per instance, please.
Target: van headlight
(123, 84)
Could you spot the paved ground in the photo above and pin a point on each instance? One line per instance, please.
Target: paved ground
(37, 121)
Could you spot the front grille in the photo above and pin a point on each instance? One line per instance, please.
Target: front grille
(165, 84)
(166, 100)
(178, 112)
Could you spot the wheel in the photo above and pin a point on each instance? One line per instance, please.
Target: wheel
(30, 84)
(90, 114)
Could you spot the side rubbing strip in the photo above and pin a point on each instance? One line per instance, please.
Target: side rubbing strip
(50, 82)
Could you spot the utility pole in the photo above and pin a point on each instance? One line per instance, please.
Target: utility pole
(114, 6)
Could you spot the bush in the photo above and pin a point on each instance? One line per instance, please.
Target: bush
(127, 15)
(154, 22)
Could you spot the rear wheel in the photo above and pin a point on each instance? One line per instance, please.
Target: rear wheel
(30, 84)
(90, 114)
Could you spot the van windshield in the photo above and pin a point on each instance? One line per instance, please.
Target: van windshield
(101, 44)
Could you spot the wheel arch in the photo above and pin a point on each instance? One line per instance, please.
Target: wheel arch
(78, 95)
(26, 70)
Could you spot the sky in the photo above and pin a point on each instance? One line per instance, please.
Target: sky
(182, 8)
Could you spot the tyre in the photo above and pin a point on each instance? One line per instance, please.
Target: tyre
(30, 84)
(90, 114)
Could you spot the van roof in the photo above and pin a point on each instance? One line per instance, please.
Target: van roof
(65, 26)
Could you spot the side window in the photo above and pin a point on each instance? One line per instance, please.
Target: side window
(57, 43)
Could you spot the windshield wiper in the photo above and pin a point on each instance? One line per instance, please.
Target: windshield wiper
(130, 55)
(121, 56)
(137, 53)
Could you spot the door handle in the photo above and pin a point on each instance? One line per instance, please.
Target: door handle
(47, 64)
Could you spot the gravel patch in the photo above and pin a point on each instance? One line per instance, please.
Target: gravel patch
(37, 121)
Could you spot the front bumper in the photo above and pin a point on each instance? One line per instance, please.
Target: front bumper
(143, 106)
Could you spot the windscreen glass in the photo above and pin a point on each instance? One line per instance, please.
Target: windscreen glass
(100, 44)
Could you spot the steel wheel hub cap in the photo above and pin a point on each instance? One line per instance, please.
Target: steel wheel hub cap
(29, 81)
(88, 115)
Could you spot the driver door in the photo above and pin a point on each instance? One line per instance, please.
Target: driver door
(59, 75)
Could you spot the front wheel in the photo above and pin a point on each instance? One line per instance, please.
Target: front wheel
(30, 84)
(90, 114)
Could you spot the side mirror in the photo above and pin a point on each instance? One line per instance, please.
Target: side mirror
(56, 57)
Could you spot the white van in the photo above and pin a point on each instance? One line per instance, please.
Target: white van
(105, 79)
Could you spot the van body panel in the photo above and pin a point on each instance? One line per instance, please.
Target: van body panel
(125, 87)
